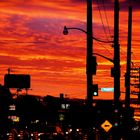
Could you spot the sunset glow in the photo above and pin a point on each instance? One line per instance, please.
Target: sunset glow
(32, 42)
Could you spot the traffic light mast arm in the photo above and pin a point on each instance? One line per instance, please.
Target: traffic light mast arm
(111, 60)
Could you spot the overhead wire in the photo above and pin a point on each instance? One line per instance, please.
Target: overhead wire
(101, 17)
(104, 28)
(105, 13)
(98, 43)
(108, 27)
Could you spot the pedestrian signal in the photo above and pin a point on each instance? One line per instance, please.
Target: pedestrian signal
(95, 90)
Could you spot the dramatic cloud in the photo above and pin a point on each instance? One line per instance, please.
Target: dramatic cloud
(32, 41)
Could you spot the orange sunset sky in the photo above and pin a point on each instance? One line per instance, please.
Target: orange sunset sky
(32, 42)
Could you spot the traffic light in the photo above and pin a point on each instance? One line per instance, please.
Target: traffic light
(126, 79)
(95, 90)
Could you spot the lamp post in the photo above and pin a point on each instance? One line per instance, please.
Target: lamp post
(89, 61)
(89, 55)
(90, 52)
(89, 77)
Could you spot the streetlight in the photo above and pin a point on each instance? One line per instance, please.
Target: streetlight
(91, 63)
(89, 56)
(66, 32)
(116, 69)
(92, 89)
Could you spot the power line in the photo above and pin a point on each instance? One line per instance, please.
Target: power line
(106, 18)
(102, 20)
(122, 51)
(98, 43)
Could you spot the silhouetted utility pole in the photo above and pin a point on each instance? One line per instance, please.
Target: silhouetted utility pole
(129, 112)
(116, 54)
(89, 54)
(89, 72)
(139, 87)
(116, 133)
(128, 67)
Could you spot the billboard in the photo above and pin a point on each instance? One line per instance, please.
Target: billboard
(17, 81)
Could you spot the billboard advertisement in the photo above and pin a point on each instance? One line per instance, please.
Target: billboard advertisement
(17, 81)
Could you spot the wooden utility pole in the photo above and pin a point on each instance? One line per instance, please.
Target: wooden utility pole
(139, 87)
(116, 54)
(89, 72)
(89, 53)
(128, 67)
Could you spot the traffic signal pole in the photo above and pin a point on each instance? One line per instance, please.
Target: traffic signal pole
(128, 110)
(89, 73)
(116, 131)
(89, 54)
(116, 54)
(128, 67)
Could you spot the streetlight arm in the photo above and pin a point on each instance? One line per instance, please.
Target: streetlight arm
(77, 29)
(111, 60)
(65, 32)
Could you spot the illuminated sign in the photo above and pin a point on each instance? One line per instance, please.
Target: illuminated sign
(106, 125)
(107, 89)
(61, 117)
(14, 118)
(12, 107)
(65, 106)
